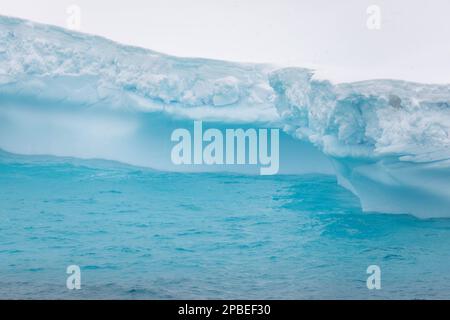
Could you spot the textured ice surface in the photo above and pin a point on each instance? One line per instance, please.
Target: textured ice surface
(366, 119)
(53, 63)
(390, 140)
(70, 94)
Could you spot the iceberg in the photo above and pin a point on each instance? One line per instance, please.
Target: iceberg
(69, 94)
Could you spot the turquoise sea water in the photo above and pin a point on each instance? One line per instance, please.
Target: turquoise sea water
(138, 233)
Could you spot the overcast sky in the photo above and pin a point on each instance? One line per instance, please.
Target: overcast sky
(332, 36)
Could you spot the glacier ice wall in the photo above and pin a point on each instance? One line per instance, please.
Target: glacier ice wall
(70, 94)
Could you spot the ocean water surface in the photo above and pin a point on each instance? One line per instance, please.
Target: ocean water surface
(143, 234)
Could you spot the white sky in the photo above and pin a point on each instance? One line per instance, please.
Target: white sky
(412, 44)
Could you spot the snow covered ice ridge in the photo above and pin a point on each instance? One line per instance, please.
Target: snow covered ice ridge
(366, 119)
(388, 140)
(35, 58)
